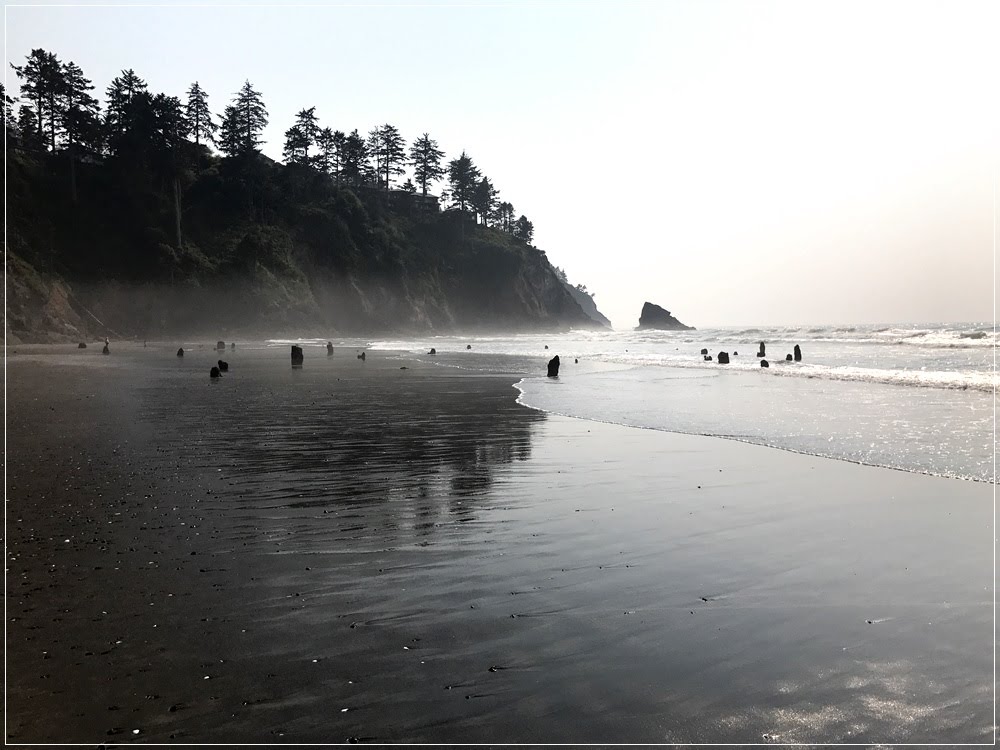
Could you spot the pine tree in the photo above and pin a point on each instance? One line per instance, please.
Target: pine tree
(393, 149)
(42, 86)
(306, 123)
(80, 117)
(119, 116)
(372, 168)
(463, 177)
(505, 217)
(426, 160)
(524, 230)
(354, 159)
(296, 149)
(339, 144)
(484, 199)
(9, 121)
(199, 116)
(326, 146)
(243, 122)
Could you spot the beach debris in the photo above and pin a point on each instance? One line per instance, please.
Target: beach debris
(433, 351)
(214, 373)
(329, 348)
(553, 370)
(223, 366)
(763, 363)
(704, 352)
(220, 345)
(296, 356)
(81, 345)
(105, 350)
(723, 358)
(798, 353)
(788, 357)
(468, 346)
(760, 353)
(180, 352)
(708, 357)
(361, 356)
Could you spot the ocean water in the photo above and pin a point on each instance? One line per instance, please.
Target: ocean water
(918, 398)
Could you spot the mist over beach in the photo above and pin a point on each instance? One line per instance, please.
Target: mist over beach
(582, 375)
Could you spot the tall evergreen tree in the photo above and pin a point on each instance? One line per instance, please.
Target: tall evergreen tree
(80, 117)
(463, 176)
(305, 121)
(484, 199)
(523, 229)
(372, 168)
(393, 149)
(339, 144)
(505, 217)
(426, 160)
(9, 121)
(119, 116)
(354, 159)
(327, 151)
(296, 149)
(42, 84)
(243, 122)
(199, 116)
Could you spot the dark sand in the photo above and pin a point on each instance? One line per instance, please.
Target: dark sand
(352, 550)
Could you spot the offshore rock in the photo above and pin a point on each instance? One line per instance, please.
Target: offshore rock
(723, 358)
(297, 358)
(798, 353)
(656, 318)
(554, 367)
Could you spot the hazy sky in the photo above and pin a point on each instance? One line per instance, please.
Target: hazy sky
(738, 163)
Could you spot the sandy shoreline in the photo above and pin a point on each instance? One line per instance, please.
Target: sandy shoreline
(353, 550)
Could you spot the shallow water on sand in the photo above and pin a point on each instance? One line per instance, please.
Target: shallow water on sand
(356, 551)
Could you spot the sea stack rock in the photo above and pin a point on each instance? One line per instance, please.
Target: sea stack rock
(329, 348)
(220, 346)
(361, 356)
(223, 366)
(433, 350)
(708, 357)
(297, 356)
(214, 373)
(704, 352)
(788, 357)
(798, 353)
(554, 367)
(763, 363)
(105, 350)
(654, 317)
(81, 345)
(723, 358)
(761, 352)
(180, 352)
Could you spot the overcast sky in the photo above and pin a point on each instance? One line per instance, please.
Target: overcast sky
(754, 162)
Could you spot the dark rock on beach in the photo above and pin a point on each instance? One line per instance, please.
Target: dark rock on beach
(723, 358)
(220, 345)
(105, 350)
(656, 318)
(361, 356)
(433, 350)
(760, 352)
(180, 352)
(329, 348)
(223, 366)
(788, 357)
(798, 353)
(297, 357)
(704, 352)
(214, 373)
(81, 345)
(553, 369)
(763, 363)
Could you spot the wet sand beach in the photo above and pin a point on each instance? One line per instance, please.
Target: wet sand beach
(355, 551)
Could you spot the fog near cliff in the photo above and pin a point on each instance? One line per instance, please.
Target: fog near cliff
(766, 162)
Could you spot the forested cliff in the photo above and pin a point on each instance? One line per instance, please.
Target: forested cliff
(126, 222)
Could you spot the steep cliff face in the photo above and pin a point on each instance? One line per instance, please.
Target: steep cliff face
(309, 258)
(656, 318)
(587, 304)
